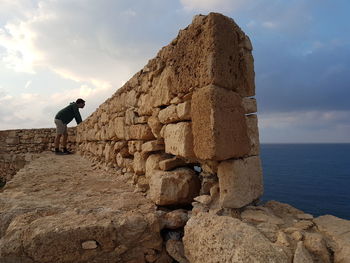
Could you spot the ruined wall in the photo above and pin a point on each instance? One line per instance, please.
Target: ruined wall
(18, 147)
(184, 125)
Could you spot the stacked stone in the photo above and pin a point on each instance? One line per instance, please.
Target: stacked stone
(18, 147)
(190, 106)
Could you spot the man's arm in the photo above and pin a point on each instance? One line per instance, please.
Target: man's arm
(77, 115)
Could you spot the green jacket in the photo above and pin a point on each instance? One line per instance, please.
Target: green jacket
(67, 114)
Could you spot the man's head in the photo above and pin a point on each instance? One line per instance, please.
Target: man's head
(80, 103)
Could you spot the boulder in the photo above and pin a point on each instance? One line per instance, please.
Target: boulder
(338, 230)
(175, 187)
(178, 139)
(240, 181)
(211, 238)
(218, 124)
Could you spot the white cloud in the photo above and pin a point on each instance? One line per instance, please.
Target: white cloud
(305, 126)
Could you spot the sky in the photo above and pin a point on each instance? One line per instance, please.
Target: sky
(55, 51)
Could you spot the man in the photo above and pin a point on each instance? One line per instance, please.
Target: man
(62, 118)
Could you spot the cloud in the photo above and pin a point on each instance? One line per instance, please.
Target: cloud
(215, 5)
(305, 126)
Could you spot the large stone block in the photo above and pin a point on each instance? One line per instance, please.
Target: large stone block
(253, 134)
(221, 56)
(218, 124)
(178, 139)
(140, 132)
(227, 240)
(175, 187)
(240, 181)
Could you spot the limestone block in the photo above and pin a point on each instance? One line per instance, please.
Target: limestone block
(218, 123)
(155, 126)
(338, 230)
(227, 240)
(119, 129)
(161, 94)
(124, 162)
(249, 105)
(153, 146)
(178, 139)
(168, 114)
(175, 187)
(139, 162)
(152, 163)
(144, 105)
(12, 140)
(169, 164)
(130, 117)
(140, 132)
(175, 249)
(315, 243)
(134, 146)
(183, 110)
(141, 120)
(240, 181)
(301, 254)
(175, 219)
(253, 134)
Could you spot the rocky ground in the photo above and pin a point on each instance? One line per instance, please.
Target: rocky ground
(65, 209)
(62, 209)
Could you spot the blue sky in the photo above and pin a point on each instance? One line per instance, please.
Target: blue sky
(54, 51)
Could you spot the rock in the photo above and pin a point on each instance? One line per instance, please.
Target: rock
(53, 222)
(218, 123)
(240, 181)
(169, 164)
(140, 132)
(282, 239)
(183, 111)
(316, 244)
(301, 255)
(253, 134)
(179, 140)
(261, 216)
(155, 125)
(269, 230)
(139, 163)
(338, 230)
(175, 219)
(249, 105)
(305, 216)
(297, 235)
(303, 224)
(175, 249)
(227, 240)
(91, 244)
(203, 199)
(153, 146)
(175, 187)
(168, 115)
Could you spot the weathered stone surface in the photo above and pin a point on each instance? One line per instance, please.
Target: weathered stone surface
(179, 186)
(261, 216)
(139, 163)
(168, 115)
(227, 240)
(175, 219)
(178, 139)
(253, 134)
(44, 218)
(169, 164)
(316, 244)
(155, 125)
(301, 254)
(249, 105)
(218, 124)
(338, 230)
(183, 110)
(140, 132)
(153, 146)
(175, 249)
(240, 181)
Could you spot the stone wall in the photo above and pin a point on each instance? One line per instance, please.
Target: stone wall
(185, 125)
(18, 147)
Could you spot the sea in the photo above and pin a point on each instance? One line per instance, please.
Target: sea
(314, 178)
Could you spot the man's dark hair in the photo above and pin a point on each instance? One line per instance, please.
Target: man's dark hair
(80, 101)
